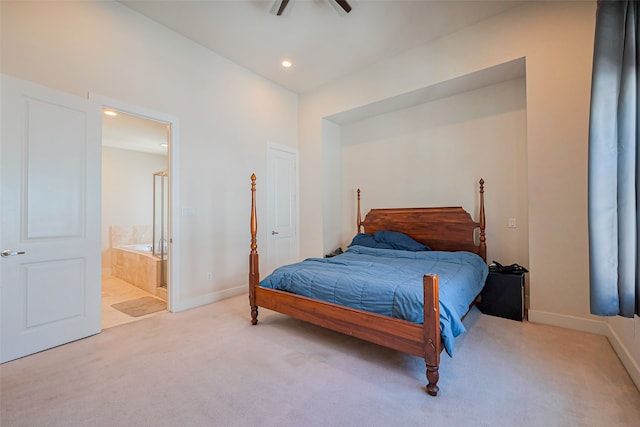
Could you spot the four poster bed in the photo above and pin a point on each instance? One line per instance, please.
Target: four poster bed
(405, 283)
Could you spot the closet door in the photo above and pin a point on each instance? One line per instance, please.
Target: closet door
(282, 206)
(50, 214)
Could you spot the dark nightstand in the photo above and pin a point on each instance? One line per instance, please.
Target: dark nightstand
(503, 295)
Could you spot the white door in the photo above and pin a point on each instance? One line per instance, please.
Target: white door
(50, 236)
(282, 190)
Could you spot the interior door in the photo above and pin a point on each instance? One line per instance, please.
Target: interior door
(282, 206)
(50, 215)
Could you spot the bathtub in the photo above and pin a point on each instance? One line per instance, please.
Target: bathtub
(137, 265)
(142, 247)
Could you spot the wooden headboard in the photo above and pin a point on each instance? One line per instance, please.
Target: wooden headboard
(440, 228)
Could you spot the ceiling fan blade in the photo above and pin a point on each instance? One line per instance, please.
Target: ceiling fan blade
(344, 5)
(283, 4)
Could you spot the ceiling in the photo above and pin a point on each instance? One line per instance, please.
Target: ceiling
(321, 41)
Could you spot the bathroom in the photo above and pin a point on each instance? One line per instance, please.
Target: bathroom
(135, 200)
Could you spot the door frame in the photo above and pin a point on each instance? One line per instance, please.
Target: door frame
(271, 147)
(173, 289)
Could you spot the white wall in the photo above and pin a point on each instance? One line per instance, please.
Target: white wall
(227, 114)
(556, 40)
(332, 154)
(435, 153)
(127, 191)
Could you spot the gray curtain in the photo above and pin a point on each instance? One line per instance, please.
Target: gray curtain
(614, 211)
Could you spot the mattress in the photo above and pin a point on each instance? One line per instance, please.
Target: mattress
(389, 282)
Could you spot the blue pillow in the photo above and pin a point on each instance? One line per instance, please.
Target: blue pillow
(362, 239)
(399, 241)
(388, 240)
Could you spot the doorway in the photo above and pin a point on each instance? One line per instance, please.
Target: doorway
(51, 232)
(134, 217)
(139, 176)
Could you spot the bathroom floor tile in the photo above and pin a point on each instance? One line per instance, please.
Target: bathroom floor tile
(114, 291)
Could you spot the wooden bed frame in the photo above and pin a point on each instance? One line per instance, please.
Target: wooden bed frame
(440, 228)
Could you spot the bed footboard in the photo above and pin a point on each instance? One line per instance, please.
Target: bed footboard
(431, 327)
(254, 265)
(412, 338)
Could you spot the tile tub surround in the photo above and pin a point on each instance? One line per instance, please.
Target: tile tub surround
(122, 235)
(139, 268)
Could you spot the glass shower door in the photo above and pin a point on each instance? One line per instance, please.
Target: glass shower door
(161, 221)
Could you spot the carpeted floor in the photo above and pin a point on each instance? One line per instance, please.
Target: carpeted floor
(209, 367)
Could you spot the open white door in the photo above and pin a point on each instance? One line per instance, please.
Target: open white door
(282, 195)
(50, 236)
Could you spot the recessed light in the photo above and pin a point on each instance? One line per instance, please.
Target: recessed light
(164, 144)
(110, 113)
(286, 63)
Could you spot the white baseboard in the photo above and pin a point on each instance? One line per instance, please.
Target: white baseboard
(188, 303)
(569, 322)
(596, 327)
(632, 365)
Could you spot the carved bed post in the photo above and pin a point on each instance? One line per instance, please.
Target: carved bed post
(431, 328)
(483, 239)
(254, 271)
(359, 217)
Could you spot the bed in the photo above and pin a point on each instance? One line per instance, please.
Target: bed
(423, 331)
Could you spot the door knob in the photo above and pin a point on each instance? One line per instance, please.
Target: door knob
(274, 232)
(9, 252)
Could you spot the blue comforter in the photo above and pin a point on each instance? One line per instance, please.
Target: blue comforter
(389, 282)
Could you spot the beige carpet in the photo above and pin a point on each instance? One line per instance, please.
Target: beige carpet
(140, 306)
(209, 367)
